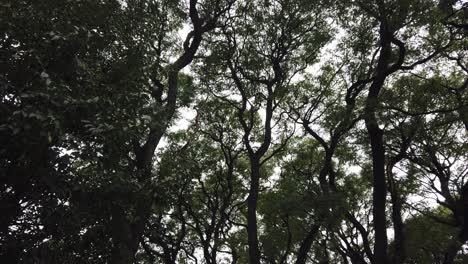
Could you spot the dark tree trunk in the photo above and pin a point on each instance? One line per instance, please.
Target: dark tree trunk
(124, 245)
(449, 257)
(399, 251)
(252, 229)
(306, 245)
(126, 235)
(399, 240)
(462, 215)
(379, 194)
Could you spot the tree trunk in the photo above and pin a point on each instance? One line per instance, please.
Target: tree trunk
(463, 234)
(123, 240)
(399, 251)
(379, 194)
(399, 241)
(306, 244)
(449, 257)
(252, 229)
(126, 234)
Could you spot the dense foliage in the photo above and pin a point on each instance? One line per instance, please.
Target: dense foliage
(233, 131)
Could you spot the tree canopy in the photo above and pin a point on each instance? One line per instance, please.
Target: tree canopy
(234, 131)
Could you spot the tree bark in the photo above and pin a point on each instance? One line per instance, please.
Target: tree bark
(126, 245)
(375, 134)
(306, 244)
(462, 215)
(123, 238)
(399, 240)
(379, 193)
(252, 229)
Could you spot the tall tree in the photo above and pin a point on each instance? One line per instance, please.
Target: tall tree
(262, 60)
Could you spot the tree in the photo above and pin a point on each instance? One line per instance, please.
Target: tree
(262, 78)
(283, 131)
